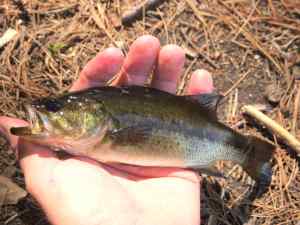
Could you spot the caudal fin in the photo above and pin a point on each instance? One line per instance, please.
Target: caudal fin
(257, 163)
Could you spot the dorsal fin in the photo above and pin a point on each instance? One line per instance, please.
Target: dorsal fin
(209, 101)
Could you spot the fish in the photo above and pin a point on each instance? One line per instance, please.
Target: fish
(144, 126)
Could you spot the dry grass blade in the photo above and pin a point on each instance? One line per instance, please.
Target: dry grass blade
(185, 78)
(236, 83)
(197, 12)
(289, 26)
(100, 23)
(256, 43)
(179, 11)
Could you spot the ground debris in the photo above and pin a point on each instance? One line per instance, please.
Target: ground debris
(10, 193)
(273, 93)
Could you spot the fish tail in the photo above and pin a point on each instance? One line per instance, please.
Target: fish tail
(257, 164)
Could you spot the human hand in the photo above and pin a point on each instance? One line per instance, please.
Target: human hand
(80, 191)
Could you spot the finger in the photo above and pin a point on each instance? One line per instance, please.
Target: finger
(140, 61)
(100, 69)
(201, 82)
(6, 123)
(169, 68)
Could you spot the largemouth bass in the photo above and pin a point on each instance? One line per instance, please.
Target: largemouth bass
(145, 127)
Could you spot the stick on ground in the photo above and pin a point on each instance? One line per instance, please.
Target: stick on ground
(137, 12)
(287, 137)
(7, 36)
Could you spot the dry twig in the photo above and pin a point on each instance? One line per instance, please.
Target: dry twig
(273, 126)
(137, 12)
(7, 36)
(296, 109)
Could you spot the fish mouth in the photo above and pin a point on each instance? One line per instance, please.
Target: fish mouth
(36, 121)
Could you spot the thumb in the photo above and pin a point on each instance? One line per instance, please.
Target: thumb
(6, 123)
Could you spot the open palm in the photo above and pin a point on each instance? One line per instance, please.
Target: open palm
(79, 191)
